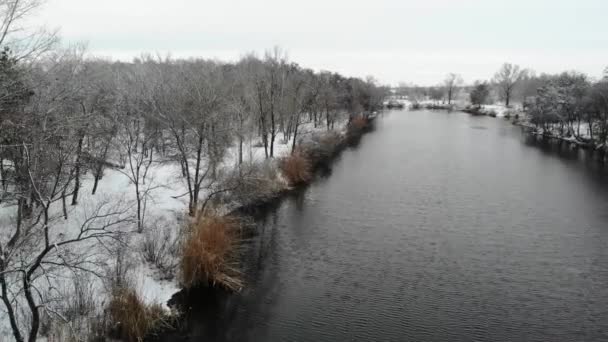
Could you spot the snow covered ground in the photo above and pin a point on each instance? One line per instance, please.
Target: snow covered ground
(498, 110)
(166, 210)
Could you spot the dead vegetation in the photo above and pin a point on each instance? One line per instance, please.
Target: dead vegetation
(324, 147)
(132, 319)
(209, 253)
(261, 182)
(359, 123)
(297, 168)
(160, 247)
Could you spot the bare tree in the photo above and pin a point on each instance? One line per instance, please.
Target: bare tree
(269, 92)
(43, 145)
(25, 43)
(507, 79)
(329, 97)
(240, 105)
(188, 99)
(301, 94)
(451, 83)
(134, 146)
(39, 257)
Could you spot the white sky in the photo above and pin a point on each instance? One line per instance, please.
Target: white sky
(394, 40)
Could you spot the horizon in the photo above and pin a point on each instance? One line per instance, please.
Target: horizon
(393, 41)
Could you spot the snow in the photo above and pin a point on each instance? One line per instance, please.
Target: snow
(151, 288)
(499, 110)
(165, 207)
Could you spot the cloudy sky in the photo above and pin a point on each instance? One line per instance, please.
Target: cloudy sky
(415, 41)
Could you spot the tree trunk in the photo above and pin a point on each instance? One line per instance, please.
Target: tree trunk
(99, 168)
(140, 224)
(9, 306)
(64, 205)
(77, 171)
(272, 134)
(35, 324)
(96, 181)
(295, 137)
(240, 149)
(265, 139)
(2, 174)
(197, 182)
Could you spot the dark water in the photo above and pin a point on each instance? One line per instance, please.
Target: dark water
(437, 227)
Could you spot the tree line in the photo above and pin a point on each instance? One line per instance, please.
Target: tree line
(505, 86)
(65, 116)
(566, 105)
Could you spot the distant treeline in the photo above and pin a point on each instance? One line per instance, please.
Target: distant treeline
(566, 105)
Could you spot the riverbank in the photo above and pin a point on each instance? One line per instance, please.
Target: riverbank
(550, 132)
(496, 111)
(146, 264)
(395, 228)
(556, 135)
(493, 110)
(314, 154)
(574, 137)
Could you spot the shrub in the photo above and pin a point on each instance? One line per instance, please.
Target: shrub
(131, 318)
(297, 168)
(511, 113)
(209, 253)
(160, 247)
(258, 182)
(80, 300)
(330, 142)
(323, 147)
(118, 269)
(359, 122)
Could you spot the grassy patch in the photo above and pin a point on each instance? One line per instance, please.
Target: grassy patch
(297, 168)
(359, 123)
(209, 253)
(132, 319)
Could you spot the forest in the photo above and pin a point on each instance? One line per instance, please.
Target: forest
(112, 169)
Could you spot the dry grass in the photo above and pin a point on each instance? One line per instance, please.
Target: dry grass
(328, 145)
(330, 140)
(132, 318)
(297, 168)
(160, 247)
(209, 253)
(359, 122)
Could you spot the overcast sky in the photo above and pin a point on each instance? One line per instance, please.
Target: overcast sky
(415, 41)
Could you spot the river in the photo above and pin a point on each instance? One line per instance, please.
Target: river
(436, 227)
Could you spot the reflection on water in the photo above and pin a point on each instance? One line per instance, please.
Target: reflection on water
(591, 160)
(427, 231)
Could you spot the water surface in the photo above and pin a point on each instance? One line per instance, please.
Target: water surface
(437, 227)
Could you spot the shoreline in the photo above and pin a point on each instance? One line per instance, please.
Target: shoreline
(520, 118)
(182, 300)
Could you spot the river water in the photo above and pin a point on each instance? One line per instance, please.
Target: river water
(436, 227)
